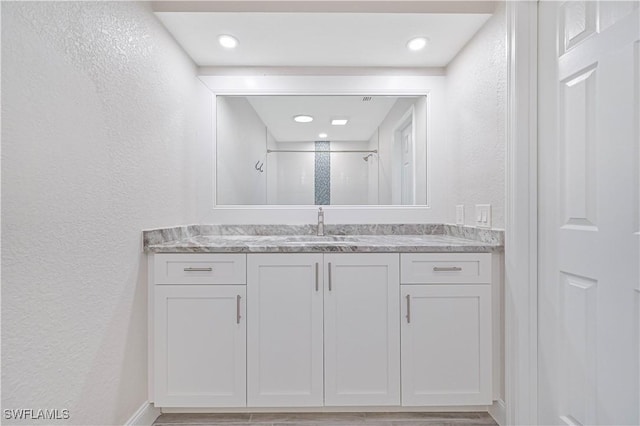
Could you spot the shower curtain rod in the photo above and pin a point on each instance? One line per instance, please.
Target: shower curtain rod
(374, 151)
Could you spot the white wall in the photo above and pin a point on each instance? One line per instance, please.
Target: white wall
(241, 143)
(106, 131)
(476, 91)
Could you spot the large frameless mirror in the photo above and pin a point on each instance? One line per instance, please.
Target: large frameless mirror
(321, 150)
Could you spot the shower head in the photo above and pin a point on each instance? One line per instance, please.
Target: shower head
(366, 157)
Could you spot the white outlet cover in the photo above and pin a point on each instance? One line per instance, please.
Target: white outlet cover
(460, 214)
(483, 215)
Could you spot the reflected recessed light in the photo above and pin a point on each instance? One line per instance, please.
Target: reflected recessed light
(303, 118)
(227, 41)
(323, 135)
(417, 43)
(339, 121)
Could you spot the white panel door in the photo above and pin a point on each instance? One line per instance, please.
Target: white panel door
(446, 345)
(589, 217)
(285, 298)
(362, 330)
(200, 346)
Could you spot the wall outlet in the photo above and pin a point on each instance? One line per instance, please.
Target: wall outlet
(460, 214)
(483, 215)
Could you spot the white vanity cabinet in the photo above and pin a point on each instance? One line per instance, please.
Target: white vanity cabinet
(199, 337)
(292, 298)
(320, 330)
(285, 338)
(361, 329)
(446, 329)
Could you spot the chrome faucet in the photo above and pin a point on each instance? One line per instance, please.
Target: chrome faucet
(320, 222)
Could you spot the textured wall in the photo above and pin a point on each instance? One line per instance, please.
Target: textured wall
(105, 132)
(476, 92)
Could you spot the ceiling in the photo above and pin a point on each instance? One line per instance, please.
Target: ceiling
(322, 39)
(277, 113)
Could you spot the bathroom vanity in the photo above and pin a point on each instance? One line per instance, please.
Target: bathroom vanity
(335, 321)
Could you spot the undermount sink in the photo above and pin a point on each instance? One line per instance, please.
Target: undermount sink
(313, 243)
(317, 240)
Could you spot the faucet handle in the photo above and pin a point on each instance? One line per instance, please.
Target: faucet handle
(320, 222)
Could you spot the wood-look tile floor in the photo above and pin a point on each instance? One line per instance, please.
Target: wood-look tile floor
(327, 419)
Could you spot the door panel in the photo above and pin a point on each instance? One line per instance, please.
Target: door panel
(446, 345)
(285, 300)
(362, 330)
(200, 346)
(589, 80)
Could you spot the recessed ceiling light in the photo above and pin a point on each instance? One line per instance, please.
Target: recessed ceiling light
(322, 135)
(227, 41)
(303, 118)
(339, 121)
(417, 43)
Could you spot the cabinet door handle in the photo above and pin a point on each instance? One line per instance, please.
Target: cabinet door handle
(408, 309)
(329, 276)
(317, 274)
(238, 309)
(447, 269)
(198, 269)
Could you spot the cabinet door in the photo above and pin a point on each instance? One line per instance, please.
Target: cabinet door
(285, 330)
(200, 346)
(362, 330)
(446, 345)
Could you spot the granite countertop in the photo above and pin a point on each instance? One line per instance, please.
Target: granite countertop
(432, 240)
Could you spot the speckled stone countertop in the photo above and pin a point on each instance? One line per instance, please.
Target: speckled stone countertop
(429, 238)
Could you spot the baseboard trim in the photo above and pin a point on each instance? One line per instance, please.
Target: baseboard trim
(144, 416)
(499, 412)
(356, 409)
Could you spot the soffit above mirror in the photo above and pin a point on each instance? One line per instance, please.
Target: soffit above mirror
(322, 39)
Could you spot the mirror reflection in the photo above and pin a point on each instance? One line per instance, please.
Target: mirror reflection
(321, 150)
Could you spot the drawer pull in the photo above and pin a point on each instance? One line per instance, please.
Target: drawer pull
(238, 309)
(329, 266)
(408, 309)
(447, 269)
(198, 269)
(317, 279)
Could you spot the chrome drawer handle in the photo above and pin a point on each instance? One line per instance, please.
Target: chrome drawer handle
(198, 269)
(447, 269)
(408, 309)
(317, 276)
(329, 276)
(238, 309)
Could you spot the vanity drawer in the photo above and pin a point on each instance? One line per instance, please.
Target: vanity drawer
(445, 268)
(200, 268)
